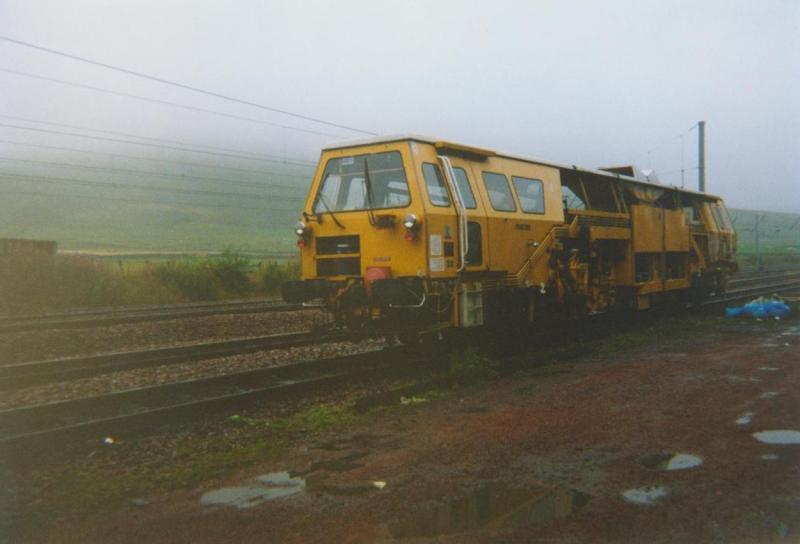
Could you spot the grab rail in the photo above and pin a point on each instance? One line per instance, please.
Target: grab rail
(461, 210)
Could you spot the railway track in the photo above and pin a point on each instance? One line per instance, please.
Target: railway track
(18, 375)
(114, 316)
(769, 285)
(757, 278)
(134, 412)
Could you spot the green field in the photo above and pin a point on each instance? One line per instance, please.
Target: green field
(251, 219)
(779, 233)
(250, 214)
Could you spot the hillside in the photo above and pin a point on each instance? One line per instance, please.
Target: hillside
(252, 215)
(250, 219)
(778, 232)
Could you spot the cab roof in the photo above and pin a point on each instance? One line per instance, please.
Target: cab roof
(479, 151)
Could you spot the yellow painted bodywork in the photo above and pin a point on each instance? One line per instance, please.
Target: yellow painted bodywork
(586, 252)
(385, 247)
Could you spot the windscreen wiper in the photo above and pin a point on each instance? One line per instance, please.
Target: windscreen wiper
(368, 186)
(324, 202)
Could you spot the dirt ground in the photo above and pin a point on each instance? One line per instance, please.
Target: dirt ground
(544, 455)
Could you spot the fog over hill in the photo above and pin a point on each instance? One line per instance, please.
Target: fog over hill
(579, 82)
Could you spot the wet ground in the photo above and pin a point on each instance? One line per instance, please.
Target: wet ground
(697, 441)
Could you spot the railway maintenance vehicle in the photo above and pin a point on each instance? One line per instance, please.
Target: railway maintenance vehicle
(413, 236)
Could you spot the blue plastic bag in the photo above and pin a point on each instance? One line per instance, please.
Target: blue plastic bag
(760, 308)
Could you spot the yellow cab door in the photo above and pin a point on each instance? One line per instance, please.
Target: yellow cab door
(476, 230)
(440, 225)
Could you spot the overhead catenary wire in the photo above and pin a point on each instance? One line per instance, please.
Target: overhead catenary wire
(180, 177)
(169, 103)
(159, 146)
(154, 188)
(150, 138)
(146, 201)
(153, 159)
(663, 143)
(182, 85)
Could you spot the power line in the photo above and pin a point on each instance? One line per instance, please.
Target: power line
(144, 201)
(129, 135)
(664, 142)
(156, 174)
(168, 103)
(159, 146)
(182, 85)
(125, 186)
(168, 161)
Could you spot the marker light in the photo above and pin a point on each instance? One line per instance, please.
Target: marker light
(300, 228)
(412, 226)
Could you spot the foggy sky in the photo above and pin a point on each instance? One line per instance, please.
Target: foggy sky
(580, 82)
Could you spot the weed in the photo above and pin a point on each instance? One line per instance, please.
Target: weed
(43, 283)
(470, 366)
(316, 418)
(271, 275)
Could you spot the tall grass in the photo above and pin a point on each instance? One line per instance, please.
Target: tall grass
(36, 284)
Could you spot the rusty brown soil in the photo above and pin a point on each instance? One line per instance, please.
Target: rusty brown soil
(580, 426)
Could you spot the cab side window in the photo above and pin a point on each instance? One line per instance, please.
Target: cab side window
(464, 188)
(499, 192)
(437, 191)
(530, 193)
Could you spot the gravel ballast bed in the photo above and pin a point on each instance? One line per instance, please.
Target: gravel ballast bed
(143, 377)
(49, 344)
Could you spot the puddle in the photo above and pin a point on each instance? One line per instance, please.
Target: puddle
(782, 436)
(267, 487)
(769, 368)
(745, 419)
(645, 495)
(670, 461)
(768, 395)
(769, 457)
(492, 506)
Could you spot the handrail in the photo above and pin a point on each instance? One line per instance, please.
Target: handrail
(542, 248)
(461, 210)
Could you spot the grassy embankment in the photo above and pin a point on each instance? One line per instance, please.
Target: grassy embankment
(124, 229)
(36, 284)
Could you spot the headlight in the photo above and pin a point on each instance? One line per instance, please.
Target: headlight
(410, 221)
(300, 228)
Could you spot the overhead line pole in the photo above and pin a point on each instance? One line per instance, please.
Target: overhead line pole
(701, 156)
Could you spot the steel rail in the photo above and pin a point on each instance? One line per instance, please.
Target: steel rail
(114, 316)
(130, 413)
(754, 291)
(755, 280)
(18, 375)
(134, 412)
